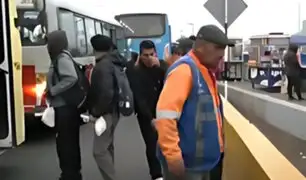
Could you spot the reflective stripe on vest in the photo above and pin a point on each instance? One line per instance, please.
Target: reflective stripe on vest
(167, 114)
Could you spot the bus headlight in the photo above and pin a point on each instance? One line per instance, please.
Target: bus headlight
(40, 88)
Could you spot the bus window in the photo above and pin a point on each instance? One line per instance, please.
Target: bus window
(98, 27)
(90, 32)
(66, 24)
(120, 41)
(80, 34)
(32, 27)
(143, 25)
(113, 35)
(106, 29)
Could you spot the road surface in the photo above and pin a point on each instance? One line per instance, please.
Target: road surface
(37, 160)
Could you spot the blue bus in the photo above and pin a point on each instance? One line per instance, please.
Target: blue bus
(146, 26)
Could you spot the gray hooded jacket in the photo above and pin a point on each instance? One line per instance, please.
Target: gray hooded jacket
(67, 76)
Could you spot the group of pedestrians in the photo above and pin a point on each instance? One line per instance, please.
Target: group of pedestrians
(177, 104)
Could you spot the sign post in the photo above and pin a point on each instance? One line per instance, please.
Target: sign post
(225, 12)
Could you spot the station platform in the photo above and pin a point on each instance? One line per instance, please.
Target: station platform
(250, 152)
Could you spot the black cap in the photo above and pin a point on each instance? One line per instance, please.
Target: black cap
(213, 34)
(102, 43)
(183, 45)
(192, 37)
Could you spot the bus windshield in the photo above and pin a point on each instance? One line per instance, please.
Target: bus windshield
(32, 27)
(143, 25)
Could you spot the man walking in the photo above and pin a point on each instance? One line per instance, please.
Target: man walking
(146, 76)
(103, 102)
(189, 116)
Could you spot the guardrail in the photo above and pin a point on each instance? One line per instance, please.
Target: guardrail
(249, 155)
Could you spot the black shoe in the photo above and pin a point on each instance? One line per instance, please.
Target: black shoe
(291, 98)
(301, 99)
(78, 177)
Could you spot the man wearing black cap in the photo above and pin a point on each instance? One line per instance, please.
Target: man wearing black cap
(180, 48)
(189, 112)
(102, 97)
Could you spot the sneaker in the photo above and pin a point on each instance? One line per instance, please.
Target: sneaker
(159, 178)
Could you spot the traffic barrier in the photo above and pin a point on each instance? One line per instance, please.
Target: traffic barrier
(277, 112)
(249, 155)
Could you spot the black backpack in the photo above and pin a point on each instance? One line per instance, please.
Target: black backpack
(78, 93)
(124, 93)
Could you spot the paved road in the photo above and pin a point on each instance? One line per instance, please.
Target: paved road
(36, 159)
(290, 146)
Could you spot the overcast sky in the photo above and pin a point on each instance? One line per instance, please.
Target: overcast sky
(261, 16)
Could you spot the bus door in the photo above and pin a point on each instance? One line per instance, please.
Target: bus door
(11, 98)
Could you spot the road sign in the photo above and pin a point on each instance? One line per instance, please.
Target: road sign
(217, 9)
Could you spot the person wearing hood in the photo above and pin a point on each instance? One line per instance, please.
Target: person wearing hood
(61, 77)
(292, 70)
(102, 100)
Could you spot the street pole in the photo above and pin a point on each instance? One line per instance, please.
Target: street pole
(226, 52)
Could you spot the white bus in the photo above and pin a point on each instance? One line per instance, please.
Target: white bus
(38, 17)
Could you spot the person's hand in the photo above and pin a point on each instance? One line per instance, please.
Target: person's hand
(177, 169)
(92, 119)
(137, 61)
(155, 61)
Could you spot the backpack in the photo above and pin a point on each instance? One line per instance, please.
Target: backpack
(77, 94)
(124, 93)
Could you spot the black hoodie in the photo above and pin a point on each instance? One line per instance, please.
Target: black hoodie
(292, 66)
(146, 84)
(102, 98)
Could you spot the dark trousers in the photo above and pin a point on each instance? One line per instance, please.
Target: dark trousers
(295, 82)
(150, 138)
(67, 121)
(216, 172)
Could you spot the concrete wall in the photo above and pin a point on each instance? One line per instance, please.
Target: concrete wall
(286, 116)
(249, 155)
